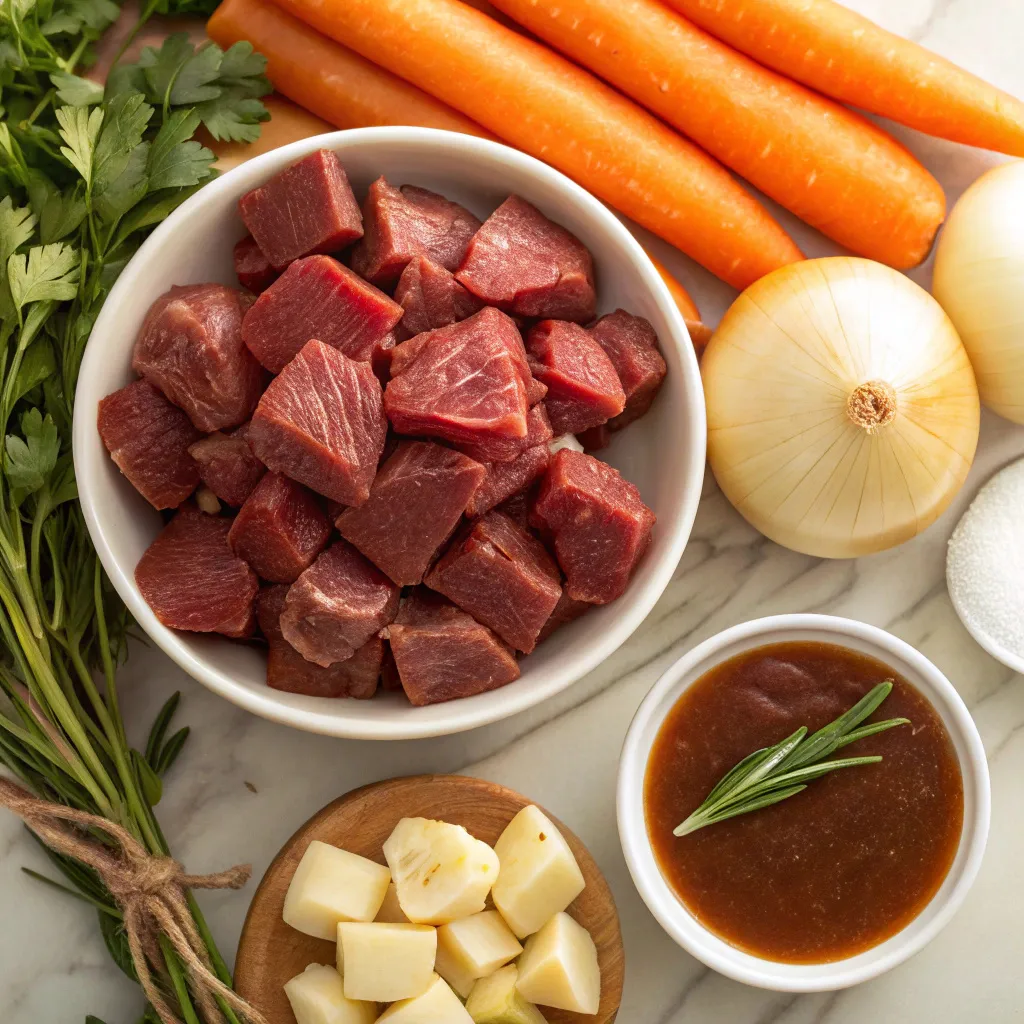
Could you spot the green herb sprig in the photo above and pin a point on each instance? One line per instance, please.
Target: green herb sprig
(773, 774)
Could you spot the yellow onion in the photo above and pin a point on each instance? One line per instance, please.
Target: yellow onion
(979, 281)
(842, 410)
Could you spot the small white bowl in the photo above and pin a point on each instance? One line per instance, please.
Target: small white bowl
(663, 454)
(670, 912)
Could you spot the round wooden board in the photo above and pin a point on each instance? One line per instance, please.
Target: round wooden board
(270, 952)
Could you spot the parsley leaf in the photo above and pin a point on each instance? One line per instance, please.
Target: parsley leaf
(75, 91)
(119, 166)
(179, 73)
(241, 65)
(16, 226)
(174, 160)
(233, 118)
(59, 212)
(30, 462)
(46, 272)
(80, 129)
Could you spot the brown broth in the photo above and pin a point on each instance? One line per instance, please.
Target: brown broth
(835, 869)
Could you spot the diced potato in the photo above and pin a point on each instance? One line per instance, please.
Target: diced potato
(332, 885)
(539, 876)
(391, 910)
(385, 962)
(438, 1005)
(474, 948)
(495, 1000)
(559, 967)
(317, 997)
(441, 872)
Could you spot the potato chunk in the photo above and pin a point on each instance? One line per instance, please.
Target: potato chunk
(539, 876)
(438, 1005)
(559, 967)
(391, 910)
(474, 948)
(332, 885)
(495, 1000)
(317, 997)
(440, 871)
(385, 962)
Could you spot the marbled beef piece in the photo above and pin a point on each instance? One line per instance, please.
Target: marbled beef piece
(192, 579)
(505, 479)
(289, 671)
(600, 526)
(538, 431)
(190, 347)
(502, 576)
(431, 297)
(306, 208)
(567, 610)
(583, 388)
(148, 439)
(632, 346)
(337, 605)
(401, 224)
(321, 422)
(228, 465)
(252, 268)
(318, 297)
(280, 529)
(415, 503)
(525, 264)
(442, 653)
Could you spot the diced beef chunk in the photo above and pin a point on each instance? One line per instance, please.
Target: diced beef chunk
(632, 346)
(321, 422)
(149, 440)
(431, 297)
(280, 529)
(228, 465)
(337, 605)
(538, 431)
(190, 347)
(567, 610)
(523, 263)
(401, 224)
(192, 579)
(287, 670)
(601, 527)
(464, 385)
(306, 208)
(504, 479)
(252, 268)
(583, 388)
(416, 501)
(318, 297)
(518, 507)
(502, 576)
(442, 653)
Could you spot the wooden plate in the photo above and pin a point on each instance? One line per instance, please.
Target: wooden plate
(270, 952)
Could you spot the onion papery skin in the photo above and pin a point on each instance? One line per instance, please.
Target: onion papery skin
(979, 281)
(778, 376)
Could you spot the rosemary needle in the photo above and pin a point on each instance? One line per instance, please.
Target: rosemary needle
(773, 774)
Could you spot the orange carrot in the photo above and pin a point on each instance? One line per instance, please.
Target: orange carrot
(831, 167)
(544, 105)
(842, 54)
(700, 333)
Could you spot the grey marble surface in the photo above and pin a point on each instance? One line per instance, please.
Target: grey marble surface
(244, 784)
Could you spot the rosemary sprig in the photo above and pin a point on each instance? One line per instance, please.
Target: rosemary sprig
(773, 774)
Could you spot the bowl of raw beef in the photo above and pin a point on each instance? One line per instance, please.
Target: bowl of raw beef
(394, 414)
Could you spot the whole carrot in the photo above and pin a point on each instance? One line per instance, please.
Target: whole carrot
(831, 167)
(846, 56)
(541, 103)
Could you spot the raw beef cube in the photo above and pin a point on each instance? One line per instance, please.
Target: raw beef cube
(339, 603)
(505, 479)
(442, 653)
(280, 529)
(596, 438)
(567, 610)
(192, 579)
(517, 508)
(289, 671)
(523, 263)
(401, 224)
(190, 347)
(538, 431)
(464, 385)
(601, 528)
(228, 466)
(502, 576)
(306, 208)
(416, 501)
(583, 388)
(149, 440)
(321, 422)
(431, 297)
(252, 268)
(318, 297)
(632, 346)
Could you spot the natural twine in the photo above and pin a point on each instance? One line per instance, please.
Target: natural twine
(151, 892)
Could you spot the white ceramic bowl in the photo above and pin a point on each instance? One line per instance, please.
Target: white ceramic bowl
(673, 916)
(663, 454)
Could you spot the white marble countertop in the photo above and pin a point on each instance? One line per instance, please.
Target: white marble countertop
(243, 785)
